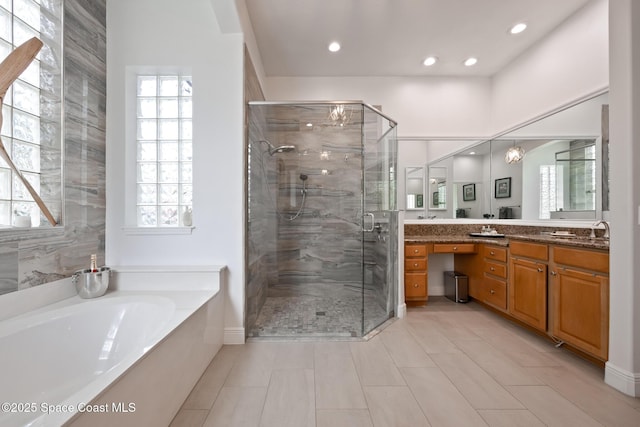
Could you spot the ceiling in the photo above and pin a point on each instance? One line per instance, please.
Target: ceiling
(393, 37)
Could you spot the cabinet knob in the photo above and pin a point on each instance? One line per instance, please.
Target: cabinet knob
(415, 264)
(492, 292)
(553, 273)
(492, 253)
(539, 270)
(415, 285)
(492, 269)
(455, 248)
(415, 251)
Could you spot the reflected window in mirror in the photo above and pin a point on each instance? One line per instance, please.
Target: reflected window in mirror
(414, 187)
(576, 177)
(437, 188)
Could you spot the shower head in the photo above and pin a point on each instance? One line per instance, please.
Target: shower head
(303, 177)
(276, 150)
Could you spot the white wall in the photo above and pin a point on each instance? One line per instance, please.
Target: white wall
(568, 64)
(434, 106)
(185, 35)
(623, 368)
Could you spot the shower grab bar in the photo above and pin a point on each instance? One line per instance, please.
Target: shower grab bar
(373, 222)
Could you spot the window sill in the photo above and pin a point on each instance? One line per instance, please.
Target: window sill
(24, 233)
(157, 231)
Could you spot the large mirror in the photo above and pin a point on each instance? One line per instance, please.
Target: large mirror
(554, 168)
(414, 187)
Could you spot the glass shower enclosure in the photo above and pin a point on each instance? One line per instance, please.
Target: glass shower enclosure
(321, 257)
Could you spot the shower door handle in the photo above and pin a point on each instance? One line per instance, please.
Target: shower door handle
(373, 222)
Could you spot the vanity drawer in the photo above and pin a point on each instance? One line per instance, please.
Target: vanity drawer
(529, 250)
(495, 268)
(495, 292)
(415, 250)
(495, 253)
(415, 285)
(415, 264)
(581, 258)
(454, 248)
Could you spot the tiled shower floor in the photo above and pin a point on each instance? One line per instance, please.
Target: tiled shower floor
(310, 316)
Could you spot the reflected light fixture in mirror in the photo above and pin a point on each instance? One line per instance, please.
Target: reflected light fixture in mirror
(339, 115)
(514, 155)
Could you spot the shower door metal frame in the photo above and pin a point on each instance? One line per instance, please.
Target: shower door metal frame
(383, 219)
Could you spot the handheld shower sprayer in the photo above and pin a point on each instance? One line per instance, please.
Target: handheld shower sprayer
(304, 178)
(272, 149)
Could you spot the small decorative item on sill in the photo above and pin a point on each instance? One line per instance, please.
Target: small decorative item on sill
(22, 221)
(187, 217)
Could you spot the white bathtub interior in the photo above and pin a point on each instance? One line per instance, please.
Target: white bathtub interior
(74, 351)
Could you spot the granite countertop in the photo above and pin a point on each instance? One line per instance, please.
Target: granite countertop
(498, 241)
(579, 241)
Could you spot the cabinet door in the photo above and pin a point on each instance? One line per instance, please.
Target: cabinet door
(528, 292)
(581, 310)
(415, 286)
(494, 292)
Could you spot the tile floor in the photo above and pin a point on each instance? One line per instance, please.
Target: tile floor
(309, 316)
(444, 365)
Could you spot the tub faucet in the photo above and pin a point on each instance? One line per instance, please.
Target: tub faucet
(606, 228)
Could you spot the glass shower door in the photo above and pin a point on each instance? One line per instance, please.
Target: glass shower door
(380, 219)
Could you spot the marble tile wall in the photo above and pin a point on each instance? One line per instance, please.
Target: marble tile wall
(50, 254)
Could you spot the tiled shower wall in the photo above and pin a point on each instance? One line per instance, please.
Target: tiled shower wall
(322, 245)
(50, 254)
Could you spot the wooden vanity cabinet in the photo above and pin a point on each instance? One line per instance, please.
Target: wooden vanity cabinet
(454, 248)
(416, 290)
(579, 279)
(494, 270)
(487, 272)
(528, 283)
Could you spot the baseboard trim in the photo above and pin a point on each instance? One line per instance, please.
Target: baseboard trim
(622, 380)
(402, 311)
(234, 336)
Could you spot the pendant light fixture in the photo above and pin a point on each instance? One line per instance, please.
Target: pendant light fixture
(514, 154)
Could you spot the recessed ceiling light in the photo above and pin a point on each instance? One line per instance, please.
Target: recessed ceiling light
(334, 47)
(518, 28)
(472, 153)
(309, 125)
(471, 61)
(430, 61)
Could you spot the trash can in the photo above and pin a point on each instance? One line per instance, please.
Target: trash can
(456, 286)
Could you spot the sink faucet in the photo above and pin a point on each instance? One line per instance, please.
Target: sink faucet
(606, 228)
